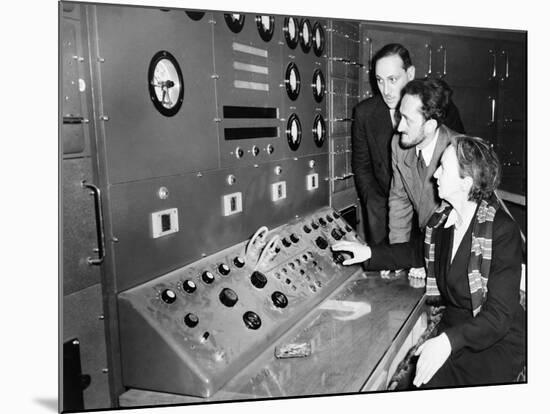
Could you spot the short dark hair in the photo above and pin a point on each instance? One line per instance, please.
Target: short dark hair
(434, 94)
(478, 160)
(392, 49)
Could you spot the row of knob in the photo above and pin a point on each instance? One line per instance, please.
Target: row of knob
(251, 319)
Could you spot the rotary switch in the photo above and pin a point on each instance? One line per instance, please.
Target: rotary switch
(322, 222)
(168, 296)
(223, 269)
(207, 277)
(252, 320)
(238, 261)
(279, 299)
(189, 286)
(307, 229)
(228, 297)
(258, 279)
(294, 239)
(321, 242)
(314, 225)
(286, 243)
(336, 234)
(191, 320)
(329, 218)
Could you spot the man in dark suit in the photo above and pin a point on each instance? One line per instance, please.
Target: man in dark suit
(374, 123)
(416, 153)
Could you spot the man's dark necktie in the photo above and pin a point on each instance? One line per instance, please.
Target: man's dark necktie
(421, 166)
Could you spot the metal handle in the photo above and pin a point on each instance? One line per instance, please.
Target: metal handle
(342, 119)
(506, 66)
(429, 72)
(343, 177)
(99, 224)
(494, 74)
(444, 61)
(493, 108)
(73, 120)
(368, 39)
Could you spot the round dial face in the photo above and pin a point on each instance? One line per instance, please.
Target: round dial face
(294, 132)
(235, 21)
(291, 32)
(305, 35)
(318, 85)
(266, 27)
(165, 83)
(318, 39)
(292, 81)
(319, 130)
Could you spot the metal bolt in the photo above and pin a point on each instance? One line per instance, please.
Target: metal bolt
(114, 239)
(101, 317)
(105, 370)
(104, 117)
(100, 60)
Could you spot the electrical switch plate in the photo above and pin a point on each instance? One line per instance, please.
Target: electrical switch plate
(232, 204)
(164, 222)
(312, 181)
(278, 191)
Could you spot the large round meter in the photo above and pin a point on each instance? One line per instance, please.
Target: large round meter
(318, 85)
(235, 22)
(306, 35)
(165, 83)
(266, 26)
(319, 130)
(293, 132)
(290, 29)
(318, 39)
(292, 81)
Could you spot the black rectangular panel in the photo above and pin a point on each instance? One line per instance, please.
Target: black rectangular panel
(73, 397)
(249, 112)
(247, 133)
(350, 215)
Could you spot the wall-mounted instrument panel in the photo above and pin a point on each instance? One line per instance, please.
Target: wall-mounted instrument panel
(193, 329)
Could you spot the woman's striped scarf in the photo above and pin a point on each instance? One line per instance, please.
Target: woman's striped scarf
(480, 255)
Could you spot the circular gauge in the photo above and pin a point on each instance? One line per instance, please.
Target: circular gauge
(235, 21)
(319, 130)
(294, 132)
(266, 27)
(305, 35)
(291, 32)
(165, 83)
(318, 39)
(195, 15)
(292, 81)
(318, 85)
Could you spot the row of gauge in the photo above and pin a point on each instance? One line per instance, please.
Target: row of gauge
(295, 30)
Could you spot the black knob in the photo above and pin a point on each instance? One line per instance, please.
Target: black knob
(238, 261)
(286, 243)
(307, 229)
(314, 225)
(279, 299)
(228, 297)
(321, 242)
(294, 238)
(223, 269)
(336, 215)
(168, 296)
(291, 265)
(207, 276)
(322, 222)
(329, 218)
(189, 286)
(191, 320)
(338, 257)
(348, 228)
(252, 320)
(258, 279)
(336, 234)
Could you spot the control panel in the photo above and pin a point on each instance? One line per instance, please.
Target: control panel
(191, 330)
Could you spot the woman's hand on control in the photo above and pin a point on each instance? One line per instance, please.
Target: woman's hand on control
(433, 354)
